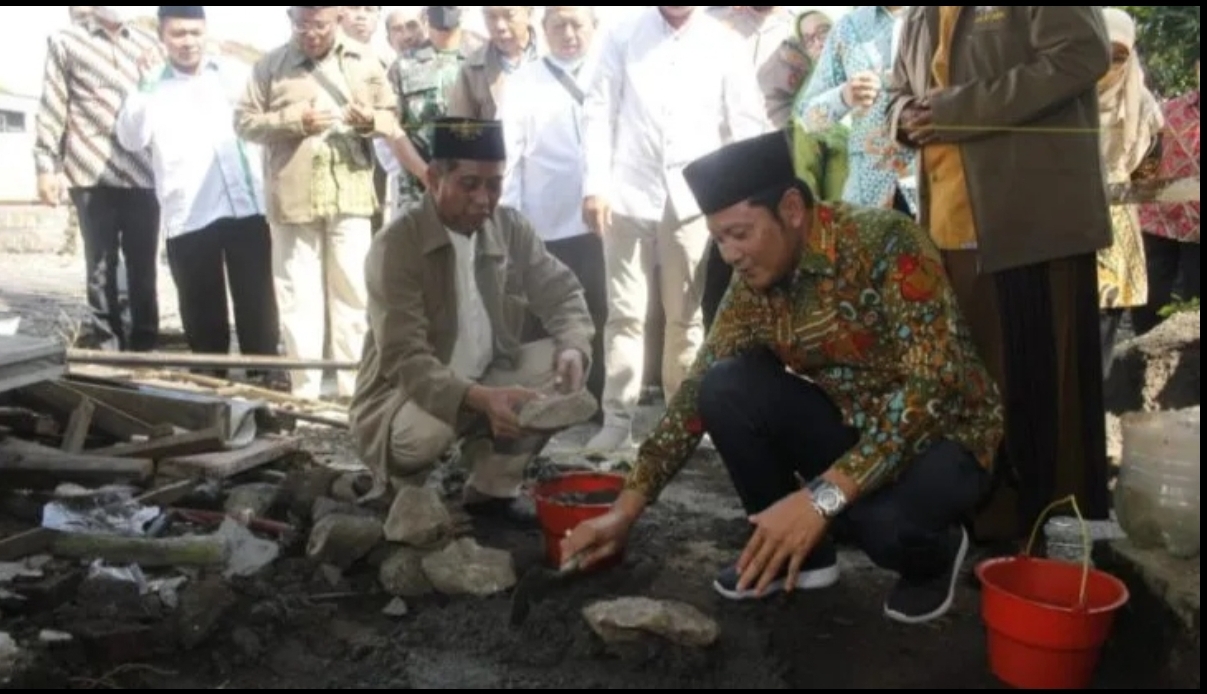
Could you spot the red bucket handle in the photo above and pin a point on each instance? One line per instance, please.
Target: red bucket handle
(1086, 545)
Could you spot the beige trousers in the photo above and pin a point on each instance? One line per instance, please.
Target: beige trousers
(632, 249)
(496, 468)
(319, 273)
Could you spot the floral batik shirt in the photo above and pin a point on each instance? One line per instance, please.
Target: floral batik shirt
(879, 165)
(1179, 159)
(871, 319)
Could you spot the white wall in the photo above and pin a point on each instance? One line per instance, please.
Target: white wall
(17, 179)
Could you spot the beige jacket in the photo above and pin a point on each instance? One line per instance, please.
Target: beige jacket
(411, 279)
(1023, 106)
(280, 91)
(478, 90)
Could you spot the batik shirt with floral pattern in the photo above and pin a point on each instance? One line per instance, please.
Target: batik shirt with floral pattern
(1179, 159)
(879, 165)
(870, 318)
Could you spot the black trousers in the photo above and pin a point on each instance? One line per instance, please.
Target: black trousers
(584, 255)
(770, 427)
(1173, 271)
(203, 262)
(121, 221)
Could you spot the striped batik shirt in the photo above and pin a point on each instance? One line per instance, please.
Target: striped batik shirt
(89, 71)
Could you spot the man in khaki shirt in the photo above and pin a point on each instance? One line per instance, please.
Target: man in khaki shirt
(315, 104)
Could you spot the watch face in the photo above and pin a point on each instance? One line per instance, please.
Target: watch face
(829, 500)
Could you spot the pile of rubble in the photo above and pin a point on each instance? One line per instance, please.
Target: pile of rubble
(119, 485)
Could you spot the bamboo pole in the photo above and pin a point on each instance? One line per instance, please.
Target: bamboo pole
(202, 361)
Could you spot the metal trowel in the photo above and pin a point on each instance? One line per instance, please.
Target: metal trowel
(535, 584)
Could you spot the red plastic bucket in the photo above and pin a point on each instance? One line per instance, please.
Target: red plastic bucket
(558, 517)
(1047, 620)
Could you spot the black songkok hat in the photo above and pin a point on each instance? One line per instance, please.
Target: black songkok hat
(468, 139)
(740, 170)
(181, 12)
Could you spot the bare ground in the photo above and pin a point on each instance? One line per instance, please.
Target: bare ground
(293, 628)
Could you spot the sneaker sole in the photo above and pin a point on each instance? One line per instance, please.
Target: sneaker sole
(941, 610)
(805, 580)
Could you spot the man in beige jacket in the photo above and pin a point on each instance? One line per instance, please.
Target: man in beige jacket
(315, 104)
(450, 283)
(478, 91)
(1001, 103)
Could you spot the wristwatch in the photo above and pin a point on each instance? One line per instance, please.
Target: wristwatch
(828, 499)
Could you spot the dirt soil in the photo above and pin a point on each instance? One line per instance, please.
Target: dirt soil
(294, 629)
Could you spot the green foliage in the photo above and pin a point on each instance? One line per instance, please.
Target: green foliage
(1179, 306)
(1168, 38)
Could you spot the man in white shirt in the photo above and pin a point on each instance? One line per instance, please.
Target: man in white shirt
(544, 175)
(210, 187)
(766, 30)
(672, 85)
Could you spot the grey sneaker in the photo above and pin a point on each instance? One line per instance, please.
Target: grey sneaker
(915, 600)
(820, 570)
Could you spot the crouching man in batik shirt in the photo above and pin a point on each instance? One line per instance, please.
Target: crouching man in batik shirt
(839, 384)
(450, 283)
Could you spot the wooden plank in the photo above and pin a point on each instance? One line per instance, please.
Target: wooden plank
(62, 397)
(78, 426)
(27, 360)
(203, 361)
(36, 540)
(175, 445)
(31, 466)
(191, 411)
(225, 464)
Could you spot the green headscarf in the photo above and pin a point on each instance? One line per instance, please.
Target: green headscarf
(820, 158)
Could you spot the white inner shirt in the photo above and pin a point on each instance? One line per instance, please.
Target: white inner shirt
(474, 349)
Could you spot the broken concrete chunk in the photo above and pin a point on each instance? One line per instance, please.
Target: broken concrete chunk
(417, 518)
(325, 506)
(342, 540)
(202, 606)
(401, 574)
(466, 568)
(333, 575)
(253, 500)
(10, 654)
(50, 636)
(627, 619)
(351, 486)
(302, 487)
(397, 608)
(247, 554)
(10, 571)
(557, 412)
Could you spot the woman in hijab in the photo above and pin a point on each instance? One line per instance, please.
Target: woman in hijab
(1131, 123)
(820, 156)
(805, 48)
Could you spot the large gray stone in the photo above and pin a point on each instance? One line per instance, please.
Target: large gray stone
(466, 568)
(1157, 371)
(628, 619)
